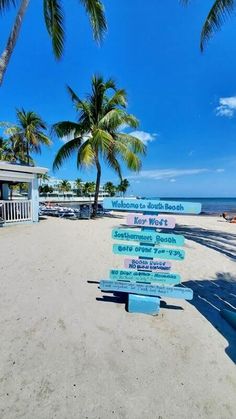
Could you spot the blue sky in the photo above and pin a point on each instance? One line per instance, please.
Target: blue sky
(185, 100)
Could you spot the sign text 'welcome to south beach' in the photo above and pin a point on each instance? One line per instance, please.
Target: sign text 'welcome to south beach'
(146, 205)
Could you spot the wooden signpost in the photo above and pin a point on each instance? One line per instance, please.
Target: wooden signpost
(147, 278)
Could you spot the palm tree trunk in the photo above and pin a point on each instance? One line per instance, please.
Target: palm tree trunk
(95, 203)
(11, 42)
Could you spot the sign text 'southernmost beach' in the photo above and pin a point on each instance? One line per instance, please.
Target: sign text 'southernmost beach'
(151, 205)
(147, 237)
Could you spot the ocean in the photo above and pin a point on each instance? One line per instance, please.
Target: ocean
(210, 206)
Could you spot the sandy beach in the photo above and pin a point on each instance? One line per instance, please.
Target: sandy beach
(69, 353)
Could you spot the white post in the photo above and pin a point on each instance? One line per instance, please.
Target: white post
(5, 191)
(34, 196)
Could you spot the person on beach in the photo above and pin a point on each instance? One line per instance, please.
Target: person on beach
(228, 218)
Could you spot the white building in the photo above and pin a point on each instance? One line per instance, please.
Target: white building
(13, 210)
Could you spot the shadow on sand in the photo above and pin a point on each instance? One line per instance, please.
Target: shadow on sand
(220, 241)
(212, 296)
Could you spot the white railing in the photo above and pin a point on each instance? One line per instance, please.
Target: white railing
(15, 211)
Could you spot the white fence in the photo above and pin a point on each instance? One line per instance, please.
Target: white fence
(15, 211)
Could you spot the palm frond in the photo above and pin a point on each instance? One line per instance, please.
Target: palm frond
(112, 120)
(220, 10)
(66, 151)
(54, 19)
(74, 97)
(101, 141)
(65, 128)
(118, 99)
(6, 4)
(136, 145)
(85, 156)
(95, 11)
(81, 106)
(112, 161)
(44, 139)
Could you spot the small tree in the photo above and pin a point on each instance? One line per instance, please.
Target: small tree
(110, 188)
(64, 186)
(79, 186)
(123, 186)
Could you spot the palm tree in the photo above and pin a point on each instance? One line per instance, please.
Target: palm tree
(79, 186)
(6, 152)
(219, 11)
(110, 188)
(64, 186)
(28, 135)
(43, 178)
(96, 134)
(54, 21)
(123, 186)
(89, 188)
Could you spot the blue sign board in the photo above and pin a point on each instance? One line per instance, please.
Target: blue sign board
(151, 205)
(147, 237)
(147, 289)
(147, 277)
(148, 251)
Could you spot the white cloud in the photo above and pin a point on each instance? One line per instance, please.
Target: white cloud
(167, 173)
(220, 170)
(145, 137)
(70, 137)
(172, 180)
(227, 107)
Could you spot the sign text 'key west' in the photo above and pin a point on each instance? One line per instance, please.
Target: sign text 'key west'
(155, 221)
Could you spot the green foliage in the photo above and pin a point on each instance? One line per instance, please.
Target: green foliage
(64, 186)
(97, 134)
(44, 178)
(45, 189)
(25, 137)
(79, 186)
(123, 186)
(110, 188)
(219, 12)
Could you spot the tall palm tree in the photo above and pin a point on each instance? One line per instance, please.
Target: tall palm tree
(220, 10)
(96, 134)
(54, 21)
(29, 134)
